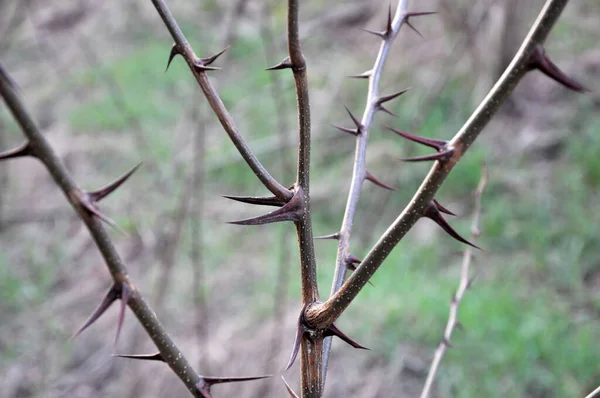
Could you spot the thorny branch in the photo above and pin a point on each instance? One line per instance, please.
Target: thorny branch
(463, 286)
(325, 314)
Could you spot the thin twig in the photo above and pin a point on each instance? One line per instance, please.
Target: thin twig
(360, 170)
(41, 149)
(464, 284)
(325, 314)
(195, 64)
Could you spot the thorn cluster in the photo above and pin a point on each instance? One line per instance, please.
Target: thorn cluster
(291, 211)
(199, 64)
(381, 100)
(443, 148)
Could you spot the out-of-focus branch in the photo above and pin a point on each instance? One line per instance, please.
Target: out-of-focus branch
(463, 286)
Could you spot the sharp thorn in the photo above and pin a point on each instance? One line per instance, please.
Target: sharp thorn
(335, 236)
(297, 340)
(441, 156)
(357, 122)
(18, 152)
(285, 64)
(292, 211)
(364, 75)
(88, 205)
(413, 28)
(442, 208)
(125, 294)
(205, 383)
(430, 142)
(98, 195)
(381, 35)
(419, 14)
(289, 389)
(209, 60)
(346, 130)
(144, 357)
(390, 97)
(174, 52)
(370, 177)
(110, 297)
(385, 110)
(257, 200)
(434, 214)
(389, 28)
(540, 60)
(334, 331)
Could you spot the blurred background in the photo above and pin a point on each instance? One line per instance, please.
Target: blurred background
(92, 74)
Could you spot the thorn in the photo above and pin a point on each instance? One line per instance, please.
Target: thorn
(289, 389)
(540, 61)
(174, 52)
(389, 28)
(91, 208)
(413, 28)
(390, 97)
(382, 108)
(125, 294)
(364, 75)
(442, 208)
(352, 262)
(334, 331)
(18, 152)
(98, 195)
(381, 35)
(371, 178)
(297, 340)
(438, 145)
(109, 298)
(347, 130)
(433, 213)
(292, 211)
(257, 200)
(284, 64)
(144, 357)
(357, 122)
(408, 15)
(206, 383)
(202, 64)
(335, 236)
(441, 156)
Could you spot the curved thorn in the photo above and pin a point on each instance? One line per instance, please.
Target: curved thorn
(372, 179)
(109, 298)
(257, 200)
(442, 208)
(143, 357)
(390, 97)
(18, 152)
(289, 389)
(209, 60)
(540, 61)
(347, 130)
(206, 383)
(335, 236)
(334, 331)
(284, 64)
(441, 156)
(99, 194)
(357, 122)
(125, 294)
(174, 52)
(292, 211)
(297, 340)
(434, 214)
(430, 142)
(364, 75)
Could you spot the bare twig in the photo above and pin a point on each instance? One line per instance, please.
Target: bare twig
(198, 67)
(326, 313)
(41, 149)
(463, 286)
(594, 394)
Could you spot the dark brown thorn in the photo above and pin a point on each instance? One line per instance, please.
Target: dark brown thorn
(413, 28)
(18, 152)
(382, 108)
(540, 60)
(144, 357)
(430, 142)
(352, 262)
(91, 207)
(442, 208)
(98, 195)
(408, 15)
(289, 389)
(441, 156)
(390, 97)
(174, 52)
(381, 35)
(334, 331)
(292, 211)
(125, 294)
(203, 64)
(389, 28)
(285, 64)
(335, 236)
(357, 122)
(347, 130)
(110, 297)
(364, 75)
(433, 213)
(300, 330)
(257, 200)
(370, 177)
(206, 383)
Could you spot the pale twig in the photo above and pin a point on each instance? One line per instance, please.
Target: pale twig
(463, 286)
